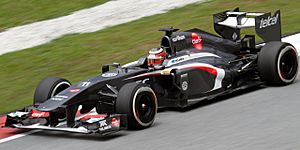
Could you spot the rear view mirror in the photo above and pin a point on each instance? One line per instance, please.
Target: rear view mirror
(105, 68)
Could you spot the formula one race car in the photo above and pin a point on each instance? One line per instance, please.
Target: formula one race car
(188, 67)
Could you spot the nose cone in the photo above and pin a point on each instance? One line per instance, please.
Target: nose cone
(52, 103)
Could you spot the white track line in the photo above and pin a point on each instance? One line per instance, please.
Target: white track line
(18, 136)
(84, 21)
(294, 40)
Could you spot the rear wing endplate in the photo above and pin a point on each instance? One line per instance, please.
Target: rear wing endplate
(229, 23)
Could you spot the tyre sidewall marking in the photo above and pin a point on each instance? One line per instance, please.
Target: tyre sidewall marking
(143, 89)
(58, 85)
(285, 49)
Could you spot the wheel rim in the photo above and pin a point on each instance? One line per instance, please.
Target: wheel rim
(144, 106)
(288, 64)
(60, 87)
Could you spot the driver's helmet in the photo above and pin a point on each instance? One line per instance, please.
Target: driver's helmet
(156, 56)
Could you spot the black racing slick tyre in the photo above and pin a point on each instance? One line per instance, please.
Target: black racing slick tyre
(139, 102)
(49, 87)
(278, 63)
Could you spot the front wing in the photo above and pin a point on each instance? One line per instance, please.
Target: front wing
(86, 124)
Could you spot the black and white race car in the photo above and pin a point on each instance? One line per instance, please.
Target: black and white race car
(188, 67)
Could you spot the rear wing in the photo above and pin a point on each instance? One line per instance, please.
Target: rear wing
(229, 23)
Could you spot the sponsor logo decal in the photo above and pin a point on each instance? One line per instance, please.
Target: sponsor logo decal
(109, 74)
(196, 41)
(103, 125)
(59, 97)
(234, 36)
(190, 57)
(115, 122)
(38, 114)
(74, 90)
(178, 38)
(270, 21)
(105, 128)
(184, 85)
(177, 60)
(56, 99)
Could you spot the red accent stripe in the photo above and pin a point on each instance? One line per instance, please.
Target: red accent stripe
(78, 113)
(7, 132)
(2, 120)
(92, 116)
(156, 74)
(205, 68)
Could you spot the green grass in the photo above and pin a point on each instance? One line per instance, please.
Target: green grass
(77, 57)
(19, 12)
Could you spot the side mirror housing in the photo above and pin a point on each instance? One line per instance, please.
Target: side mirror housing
(105, 68)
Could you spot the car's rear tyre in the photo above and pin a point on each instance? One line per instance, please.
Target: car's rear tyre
(278, 63)
(48, 88)
(139, 102)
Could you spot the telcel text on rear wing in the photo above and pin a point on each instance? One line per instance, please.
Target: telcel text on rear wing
(229, 23)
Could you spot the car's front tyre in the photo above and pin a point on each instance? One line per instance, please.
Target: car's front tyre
(139, 102)
(48, 88)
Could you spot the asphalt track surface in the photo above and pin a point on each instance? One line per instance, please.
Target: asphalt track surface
(260, 119)
(256, 119)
